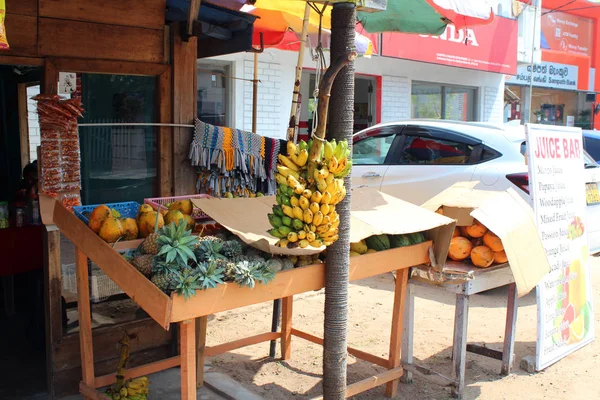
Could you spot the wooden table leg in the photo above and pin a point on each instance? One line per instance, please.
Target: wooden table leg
(86, 344)
(286, 327)
(201, 327)
(509, 331)
(408, 332)
(187, 340)
(396, 332)
(459, 345)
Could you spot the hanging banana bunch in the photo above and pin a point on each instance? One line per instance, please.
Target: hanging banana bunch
(310, 181)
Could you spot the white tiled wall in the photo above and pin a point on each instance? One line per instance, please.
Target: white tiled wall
(493, 102)
(270, 105)
(395, 98)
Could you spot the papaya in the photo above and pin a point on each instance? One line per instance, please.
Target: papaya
(460, 248)
(492, 241)
(378, 242)
(98, 215)
(476, 230)
(482, 256)
(456, 232)
(399, 241)
(500, 257)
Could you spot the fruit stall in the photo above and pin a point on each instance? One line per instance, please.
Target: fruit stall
(495, 244)
(179, 277)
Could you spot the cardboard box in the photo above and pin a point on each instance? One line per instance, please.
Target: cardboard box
(507, 215)
(373, 213)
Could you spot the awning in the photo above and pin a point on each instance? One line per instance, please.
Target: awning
(510, 96)
(219, 30)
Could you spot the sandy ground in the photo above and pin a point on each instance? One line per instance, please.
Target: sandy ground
(574, 377)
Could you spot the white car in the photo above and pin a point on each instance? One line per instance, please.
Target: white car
(417, 159)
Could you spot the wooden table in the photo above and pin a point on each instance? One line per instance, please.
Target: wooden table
(192, 315)
(484, 279)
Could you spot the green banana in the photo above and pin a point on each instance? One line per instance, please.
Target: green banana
(276, 233)
(327, 151)
(284, 230)
(297, 224)
(343, 173)
(287, 221)
(285, 200)
(278, 211)
(274, 220)
(303, 145)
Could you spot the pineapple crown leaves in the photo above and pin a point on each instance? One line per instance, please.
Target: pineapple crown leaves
(250, 272)
(210, 275)
(176, 243)
(210, 250)
(232, 248)
(160, 266)
(186, 283)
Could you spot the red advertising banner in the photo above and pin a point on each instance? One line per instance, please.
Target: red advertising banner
(491, 47)
(567, 33)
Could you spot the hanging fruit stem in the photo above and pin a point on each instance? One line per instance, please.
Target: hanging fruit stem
(124, 342)
(323, 103)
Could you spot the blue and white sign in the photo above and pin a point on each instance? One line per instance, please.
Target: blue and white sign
(548, 75)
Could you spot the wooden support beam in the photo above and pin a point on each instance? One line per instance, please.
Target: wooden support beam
(396, 331)
(362, 355)
(201, 330)
(136, 372)
(286, 327)
(89, 393)
(85, 320)
(187, 335)
(237, 344)
(165, 134)
(184, 110)
(430, 376)
(509, 330)
(484, 351)
(23, 123)
(193, 15)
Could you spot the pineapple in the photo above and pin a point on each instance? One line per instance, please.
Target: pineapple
(143, 263)
(187, 282)
(150, 244)
(164, 275)
(232, 248)
(210, 274)
(209, 239)
(228, 268)
(247, 273)
(176, 243)
(209, 250)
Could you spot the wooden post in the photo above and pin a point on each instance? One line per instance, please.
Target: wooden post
(184, 110)
(23, 123)
(201, 327)
(255, 94)
(286, 327)
(165, 134)
(187, 335)
(85, 319)
(396, 332)
(459, 345)
(408, 332)
(509, 331)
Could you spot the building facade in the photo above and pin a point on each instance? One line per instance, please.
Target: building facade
(458, 75)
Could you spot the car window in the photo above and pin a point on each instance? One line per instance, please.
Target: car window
(592, 146)
(429, 150)
(372, 150)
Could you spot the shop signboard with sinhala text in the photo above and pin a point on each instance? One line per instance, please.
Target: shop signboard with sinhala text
(546, 74)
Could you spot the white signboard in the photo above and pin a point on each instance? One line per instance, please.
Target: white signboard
(549, 75)
(558, 190)
(67, 82)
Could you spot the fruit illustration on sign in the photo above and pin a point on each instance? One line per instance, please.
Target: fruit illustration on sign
(568, 318)
(575, 229)
(577, 286)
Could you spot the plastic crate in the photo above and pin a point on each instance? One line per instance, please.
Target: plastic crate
(101, 286)
(197, 213)
(127, 209)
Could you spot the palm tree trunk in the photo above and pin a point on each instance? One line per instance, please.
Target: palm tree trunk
(341, 123)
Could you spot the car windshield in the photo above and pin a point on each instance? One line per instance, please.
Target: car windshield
(587, 159)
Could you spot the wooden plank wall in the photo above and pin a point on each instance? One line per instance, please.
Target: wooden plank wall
(130, 30)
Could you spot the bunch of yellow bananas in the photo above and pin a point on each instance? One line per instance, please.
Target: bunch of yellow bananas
(134, 389)
(307, 195)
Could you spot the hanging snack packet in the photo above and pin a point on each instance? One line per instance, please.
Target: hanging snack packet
(3, 42)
